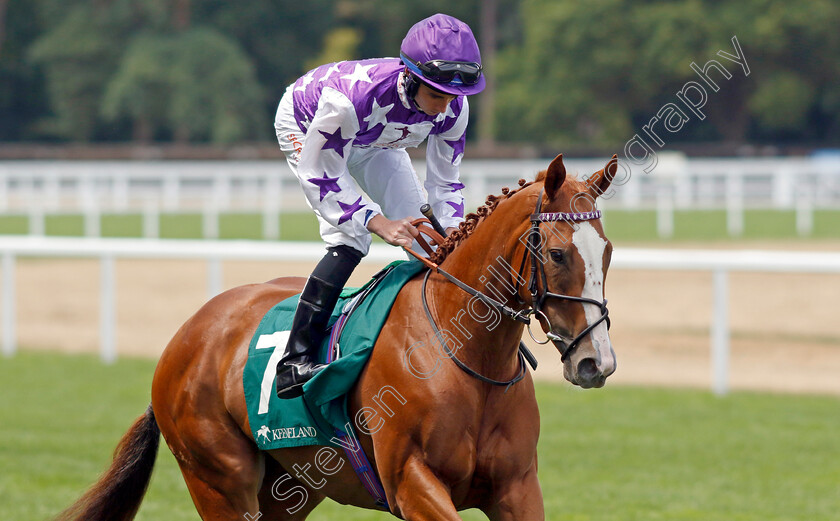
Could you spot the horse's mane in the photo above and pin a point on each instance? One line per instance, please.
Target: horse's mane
(472, 220)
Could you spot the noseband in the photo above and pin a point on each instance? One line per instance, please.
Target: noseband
(539, 296)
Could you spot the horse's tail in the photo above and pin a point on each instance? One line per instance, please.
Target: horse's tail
(118, 493)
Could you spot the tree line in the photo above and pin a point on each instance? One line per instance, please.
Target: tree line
(597, 72)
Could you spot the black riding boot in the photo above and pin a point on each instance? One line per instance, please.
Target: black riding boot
(312, 315)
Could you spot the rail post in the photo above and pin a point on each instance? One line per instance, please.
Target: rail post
(107, 310)
(720, 332)
(9, 313)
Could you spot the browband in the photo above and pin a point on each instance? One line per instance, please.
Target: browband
(565, 216)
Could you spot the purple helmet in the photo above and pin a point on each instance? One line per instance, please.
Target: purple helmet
(442, 52)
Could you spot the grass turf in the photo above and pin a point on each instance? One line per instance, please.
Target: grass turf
(618, 453)
(621, 225)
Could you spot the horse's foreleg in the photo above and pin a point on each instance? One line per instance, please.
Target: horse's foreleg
(421, 496)
(518, 500)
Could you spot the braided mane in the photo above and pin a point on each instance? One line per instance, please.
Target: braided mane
(472, 220)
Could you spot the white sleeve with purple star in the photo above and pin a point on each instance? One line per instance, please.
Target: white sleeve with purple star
(443, 159)
(322, 169)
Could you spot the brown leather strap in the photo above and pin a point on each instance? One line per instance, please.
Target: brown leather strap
(436, 238)
(429, 232)
(429, 264)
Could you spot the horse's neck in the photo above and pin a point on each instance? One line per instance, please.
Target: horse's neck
(486, 261)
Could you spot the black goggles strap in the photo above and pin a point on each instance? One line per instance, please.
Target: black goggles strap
(445, 71)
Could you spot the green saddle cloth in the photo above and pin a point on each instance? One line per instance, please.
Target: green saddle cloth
(321, 413)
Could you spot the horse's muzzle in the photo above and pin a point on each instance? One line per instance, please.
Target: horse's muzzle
(588, 375)
(589, 366)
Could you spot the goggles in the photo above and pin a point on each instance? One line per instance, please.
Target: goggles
(443, 71)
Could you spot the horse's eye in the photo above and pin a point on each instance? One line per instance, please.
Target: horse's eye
(557, 256)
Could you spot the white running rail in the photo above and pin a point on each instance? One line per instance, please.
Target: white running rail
(38, 189)
(719, 262)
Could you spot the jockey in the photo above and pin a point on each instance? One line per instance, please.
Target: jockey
(344, 127)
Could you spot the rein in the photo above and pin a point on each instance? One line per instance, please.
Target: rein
(458, 362)
(519, 316)
(537, 297)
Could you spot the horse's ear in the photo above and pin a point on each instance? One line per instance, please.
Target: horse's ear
(554, 177)
(598, 183)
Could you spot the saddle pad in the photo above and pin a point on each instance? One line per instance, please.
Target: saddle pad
(321, 413)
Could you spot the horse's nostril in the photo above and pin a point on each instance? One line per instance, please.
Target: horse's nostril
(587, 369)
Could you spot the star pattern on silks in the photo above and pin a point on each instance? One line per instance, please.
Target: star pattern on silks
(359, 74)
(448, 114)
(378, 115)
(364, 139)
(306, 80)
(457, 147)
(335, 141)
(331, 70)
(456, 186)
(349, 210)
(326, 185)
(459, 208)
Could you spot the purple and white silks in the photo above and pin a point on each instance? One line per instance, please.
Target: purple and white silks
(341, 121)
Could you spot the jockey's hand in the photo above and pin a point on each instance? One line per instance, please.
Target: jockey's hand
(450, 230)
(396, 233)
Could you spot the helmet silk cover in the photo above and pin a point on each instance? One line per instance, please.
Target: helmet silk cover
(442, 37)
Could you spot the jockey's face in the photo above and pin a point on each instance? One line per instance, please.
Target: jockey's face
(431, 101)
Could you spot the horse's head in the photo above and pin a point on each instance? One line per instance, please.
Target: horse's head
(571, 256)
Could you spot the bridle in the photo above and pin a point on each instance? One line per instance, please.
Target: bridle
(538, 296)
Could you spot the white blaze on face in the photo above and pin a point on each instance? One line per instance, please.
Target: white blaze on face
(590, 245)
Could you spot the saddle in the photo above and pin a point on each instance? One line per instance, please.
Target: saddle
(312, 418)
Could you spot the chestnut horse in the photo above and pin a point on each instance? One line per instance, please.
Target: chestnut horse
(440, 435)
